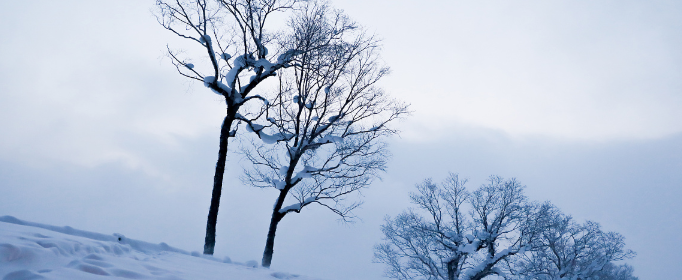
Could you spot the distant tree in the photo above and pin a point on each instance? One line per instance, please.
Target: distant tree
(568, 250)
(612, 271)
(495, 231)
(464, 235)
(322, 137)
(234, 36)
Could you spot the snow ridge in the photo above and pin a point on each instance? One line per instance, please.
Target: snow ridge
(39, 251)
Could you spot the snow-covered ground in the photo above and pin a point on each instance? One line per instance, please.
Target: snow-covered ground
(38, 251)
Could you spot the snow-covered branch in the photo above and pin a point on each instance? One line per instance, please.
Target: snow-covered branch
(321, 138)
(466, 235)
(232, 35)
(494, 231)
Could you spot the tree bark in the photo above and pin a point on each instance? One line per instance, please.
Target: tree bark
(274, 221)
(209, 241)
(453, 265)
(270, 243)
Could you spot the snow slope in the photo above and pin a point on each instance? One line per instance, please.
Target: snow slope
(38, 251)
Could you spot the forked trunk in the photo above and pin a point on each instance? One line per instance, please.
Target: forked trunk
(209, 241)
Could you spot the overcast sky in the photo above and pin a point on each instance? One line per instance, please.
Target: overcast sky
(579, 100)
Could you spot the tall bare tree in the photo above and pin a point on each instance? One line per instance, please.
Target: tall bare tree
(322, 138)
(234, 37)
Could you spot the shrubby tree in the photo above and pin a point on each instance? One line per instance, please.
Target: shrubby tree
(322, 136)
(233, 35)
(464, 235)
(569, 250)
(495, 231)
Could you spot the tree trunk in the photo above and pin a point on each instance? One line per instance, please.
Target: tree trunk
(274, 221)
(209, 241)
(452, 268)
(270, 243)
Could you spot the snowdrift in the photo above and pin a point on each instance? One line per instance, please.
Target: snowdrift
(39, 251)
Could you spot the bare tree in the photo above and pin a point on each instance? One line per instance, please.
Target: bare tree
(612, 271)
(322, 137)
(568, 250)
(464, 235)
(234, 37)
(495, 231)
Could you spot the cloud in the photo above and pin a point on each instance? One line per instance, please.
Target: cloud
(85, 83)
(579, 70)
(579, 100)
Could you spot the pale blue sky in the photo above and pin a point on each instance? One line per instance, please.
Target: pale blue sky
(579, 100)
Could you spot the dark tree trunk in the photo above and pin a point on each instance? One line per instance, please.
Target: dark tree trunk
(453, 265)
(270, 243)
(209, 242)
(274, 221)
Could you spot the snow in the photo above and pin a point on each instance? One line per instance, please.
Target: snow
(39, 251)
(330, 139)
(267, 138)
(272, 139)
(287, 56)
(252, 264)
(283, 170)
(336, 117)
(498, 271)
(254, 127)
(310, 105)
(239, 63)
(267, 65)
(279, 184)
(305, 173)
(294, 207)
(298, 206)
(469, 248)
(204, 39)
(208, 80)
(501, 254)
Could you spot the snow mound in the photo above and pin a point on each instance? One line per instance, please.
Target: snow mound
(39, 251)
